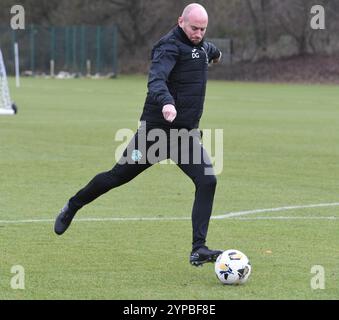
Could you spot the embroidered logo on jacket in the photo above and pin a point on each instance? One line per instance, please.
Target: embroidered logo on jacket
(195, 54)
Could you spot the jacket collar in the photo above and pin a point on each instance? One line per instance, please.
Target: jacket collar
(180, 33)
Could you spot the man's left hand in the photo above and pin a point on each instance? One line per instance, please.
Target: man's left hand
(216, 60)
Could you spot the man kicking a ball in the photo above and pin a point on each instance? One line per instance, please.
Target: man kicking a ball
(175, 99)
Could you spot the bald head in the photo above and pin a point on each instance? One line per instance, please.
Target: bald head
(195, 11)
(194, 21)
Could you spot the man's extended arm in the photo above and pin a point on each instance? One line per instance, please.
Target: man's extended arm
(214, 54)
(164, 59)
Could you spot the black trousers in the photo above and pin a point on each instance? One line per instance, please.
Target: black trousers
(149, 146)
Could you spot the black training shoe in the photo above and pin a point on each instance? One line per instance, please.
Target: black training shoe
(203, 255)
(64, 219)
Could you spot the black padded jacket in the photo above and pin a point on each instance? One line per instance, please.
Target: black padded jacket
(178, 76)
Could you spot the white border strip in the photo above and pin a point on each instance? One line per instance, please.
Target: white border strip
(235, 215)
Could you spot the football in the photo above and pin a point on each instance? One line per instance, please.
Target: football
(233, 267)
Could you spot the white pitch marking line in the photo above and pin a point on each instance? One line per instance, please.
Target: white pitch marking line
(95, 219)
(234, 215)
(287, 218)
(242, 213)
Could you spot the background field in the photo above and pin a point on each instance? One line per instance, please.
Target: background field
(281, 148)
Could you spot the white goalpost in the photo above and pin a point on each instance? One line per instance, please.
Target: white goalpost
(6, 105)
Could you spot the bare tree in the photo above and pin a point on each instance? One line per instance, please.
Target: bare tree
(258, 10)
(294, 18)
(140, 21)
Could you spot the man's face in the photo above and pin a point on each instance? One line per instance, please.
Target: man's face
(194, 28)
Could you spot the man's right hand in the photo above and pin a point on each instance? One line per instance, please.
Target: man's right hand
(169, 112)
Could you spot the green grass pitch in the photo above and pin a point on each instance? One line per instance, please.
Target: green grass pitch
(281, 148)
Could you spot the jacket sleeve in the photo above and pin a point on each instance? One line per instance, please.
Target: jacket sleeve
(164, 58)
(212, 51)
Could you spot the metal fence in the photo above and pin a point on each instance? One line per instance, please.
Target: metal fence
(73, 49)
